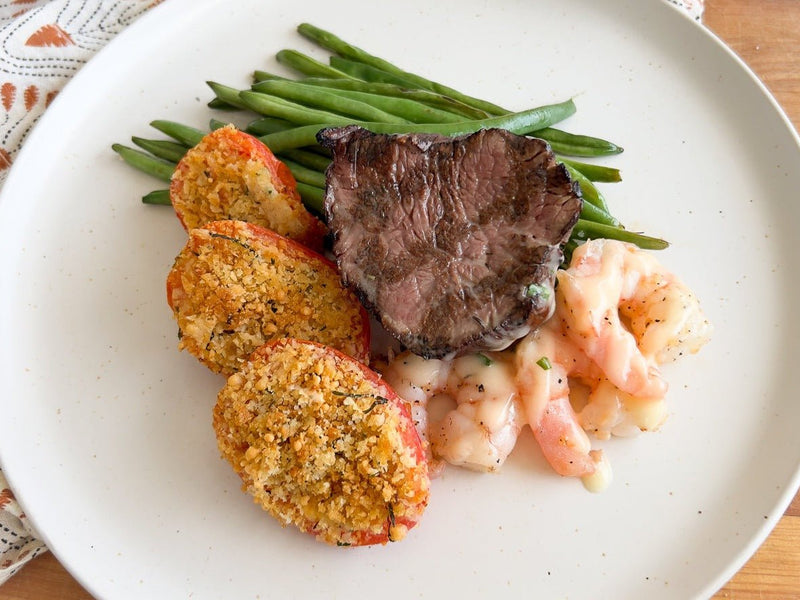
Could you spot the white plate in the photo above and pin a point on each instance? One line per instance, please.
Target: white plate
(105, 431)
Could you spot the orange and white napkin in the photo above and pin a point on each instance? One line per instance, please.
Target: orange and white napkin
(43, 43)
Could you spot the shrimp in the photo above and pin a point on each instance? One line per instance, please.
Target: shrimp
(609, 282)
(664, 315)
(416, 380)
(545, 360)
(610, 411)
(482, 417)
(619, 315)
(482, 430)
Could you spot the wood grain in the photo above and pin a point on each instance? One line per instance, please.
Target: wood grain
(766, 35)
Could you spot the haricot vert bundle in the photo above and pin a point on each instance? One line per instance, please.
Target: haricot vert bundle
(362, 89)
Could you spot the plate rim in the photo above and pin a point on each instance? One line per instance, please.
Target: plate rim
(161, 11)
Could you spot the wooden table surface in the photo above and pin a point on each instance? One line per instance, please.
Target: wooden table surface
(766, 34)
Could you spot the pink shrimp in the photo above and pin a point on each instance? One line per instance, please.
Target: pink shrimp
(472, 415)
(545, 359)
(609, 281)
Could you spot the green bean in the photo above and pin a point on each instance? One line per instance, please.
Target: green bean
(160, 197)
(596, 214)
(362, 65)
(170, 151)
(214, 124)
(265, 125)
(299, 137)
(587, 230)
(259, 76)
(374, 68)
(350, 56)
(218, 104)
(310, 67)
(145, 162)
(272, 106)
(304, 174)
(227, 94)
(312, 196)
(571, 144)
(389, 89)
(519, 123)
(312, 160)
(406, 108)
(366, 72)
(335, 44)
(588, 190)
(592, 172)
(324, 99)
(525, 122)
(190, 136)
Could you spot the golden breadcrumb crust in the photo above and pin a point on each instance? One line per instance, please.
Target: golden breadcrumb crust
(235, 286)
(322, 443)
(231, 175)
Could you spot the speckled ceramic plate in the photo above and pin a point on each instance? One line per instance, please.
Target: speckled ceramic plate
(105, 430)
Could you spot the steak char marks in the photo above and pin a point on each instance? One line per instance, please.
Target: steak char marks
(452, 243)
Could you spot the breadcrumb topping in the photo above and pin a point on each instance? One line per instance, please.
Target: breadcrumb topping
(230, 175)
(322, 443)
(235, 286)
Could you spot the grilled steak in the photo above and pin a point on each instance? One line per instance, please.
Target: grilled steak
(452, 243)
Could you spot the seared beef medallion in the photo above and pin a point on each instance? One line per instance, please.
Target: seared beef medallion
(452, 243)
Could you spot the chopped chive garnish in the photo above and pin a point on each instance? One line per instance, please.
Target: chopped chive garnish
(544, 363)
(537, 289)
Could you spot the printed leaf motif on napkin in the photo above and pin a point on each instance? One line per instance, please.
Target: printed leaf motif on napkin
(50, 35)
(42, 45)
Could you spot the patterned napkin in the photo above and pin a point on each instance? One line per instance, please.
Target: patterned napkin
(43, 43)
